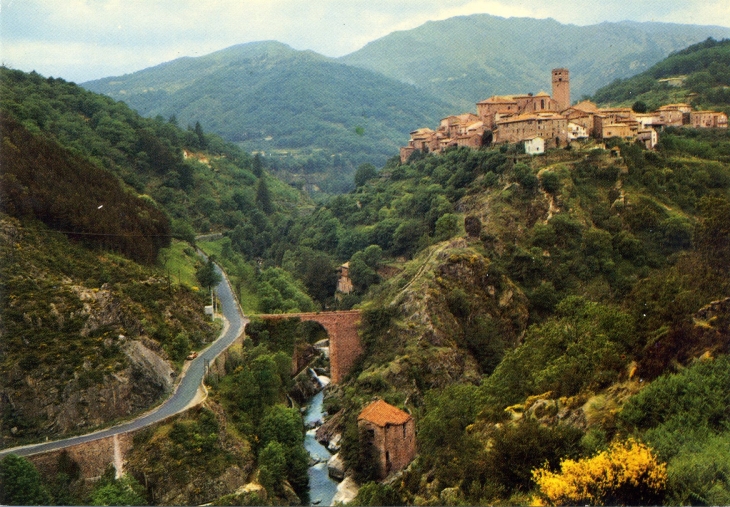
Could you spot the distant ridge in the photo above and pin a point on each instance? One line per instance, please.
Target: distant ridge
(468, 58)
(267, 96)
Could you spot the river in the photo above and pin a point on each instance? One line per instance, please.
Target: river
(321, 488)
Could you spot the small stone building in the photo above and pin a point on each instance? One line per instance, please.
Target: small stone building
(535, 146)
(344, 284)
(393, 434)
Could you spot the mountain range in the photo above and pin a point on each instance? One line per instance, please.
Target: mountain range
(331, 115)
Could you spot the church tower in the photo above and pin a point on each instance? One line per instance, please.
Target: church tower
(561, 88)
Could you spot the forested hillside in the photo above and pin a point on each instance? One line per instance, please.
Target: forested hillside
(699, 75)
(469, 58)
(87, 167)
(315, 114)
(542, 296)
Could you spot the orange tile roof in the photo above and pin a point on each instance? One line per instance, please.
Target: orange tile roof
(586, 106)
(382, 414)
(498, 99)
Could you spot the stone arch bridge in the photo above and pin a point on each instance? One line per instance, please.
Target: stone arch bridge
(341, 327)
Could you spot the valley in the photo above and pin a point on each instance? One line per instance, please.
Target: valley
(454, 324)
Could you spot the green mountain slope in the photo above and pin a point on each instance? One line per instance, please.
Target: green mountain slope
(701, 75)
(268, 96)
(201, 182)
(467, 59)
(90, 336)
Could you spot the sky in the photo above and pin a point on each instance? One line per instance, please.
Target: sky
(81, 40)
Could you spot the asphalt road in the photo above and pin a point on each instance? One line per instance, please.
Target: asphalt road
(184, 393)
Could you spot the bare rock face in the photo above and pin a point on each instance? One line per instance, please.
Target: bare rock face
(248, 494)
(346, 491)
(306, 385)
(336, 467)
(146, 378)
(149, 365)
(330, 429)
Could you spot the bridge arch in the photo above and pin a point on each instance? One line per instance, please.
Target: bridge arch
(341, 326)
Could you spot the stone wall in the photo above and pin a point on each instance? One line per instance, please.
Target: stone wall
(92, 457)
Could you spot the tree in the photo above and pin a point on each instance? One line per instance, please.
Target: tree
(625, 474)
(550, 182)
(263, 197)
(372, 493)
(123, 491)
(258, 168)
(20, 483)
(361, 274)
(202, 142)
(208, 275)
(639, 107)
(364, 173)
(446, 227)
(272, 466)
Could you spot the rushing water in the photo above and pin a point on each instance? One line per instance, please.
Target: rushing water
(321, 488)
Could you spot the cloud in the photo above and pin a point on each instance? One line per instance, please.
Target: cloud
(87, 39)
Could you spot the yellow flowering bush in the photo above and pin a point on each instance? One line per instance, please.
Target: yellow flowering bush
(625, 474)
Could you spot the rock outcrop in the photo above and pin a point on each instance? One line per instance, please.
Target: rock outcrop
(346, 491)
(336, 467)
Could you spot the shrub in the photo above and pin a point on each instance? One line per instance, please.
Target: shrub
(373, 493)
(550, 182)
(700, 475)
(627, 473)
(517, 449)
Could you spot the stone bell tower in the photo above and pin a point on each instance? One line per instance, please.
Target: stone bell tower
(561, 88)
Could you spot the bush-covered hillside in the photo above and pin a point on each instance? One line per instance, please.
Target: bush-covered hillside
(41, 180)
(703, 72)
(80, 332)
(201, 182)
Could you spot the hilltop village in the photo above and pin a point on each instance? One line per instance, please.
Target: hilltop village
(542, 122)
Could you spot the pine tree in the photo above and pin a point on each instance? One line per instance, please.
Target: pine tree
(263, 197)
(258, 168)
(201, 136)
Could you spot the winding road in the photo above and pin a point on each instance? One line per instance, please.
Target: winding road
(185, 392)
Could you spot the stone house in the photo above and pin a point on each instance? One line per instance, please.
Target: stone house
(552, 127)
(535, 146)
(424, 139)
(344, 284)
(392, 432)
(496, 107)
(707, 119)
(584, 119)
(649, 137)
(577, 131)
(674, 115)
(457, 125)
(626, 130)
(489, 108)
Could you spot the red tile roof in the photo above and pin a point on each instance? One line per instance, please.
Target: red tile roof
(382, 414)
